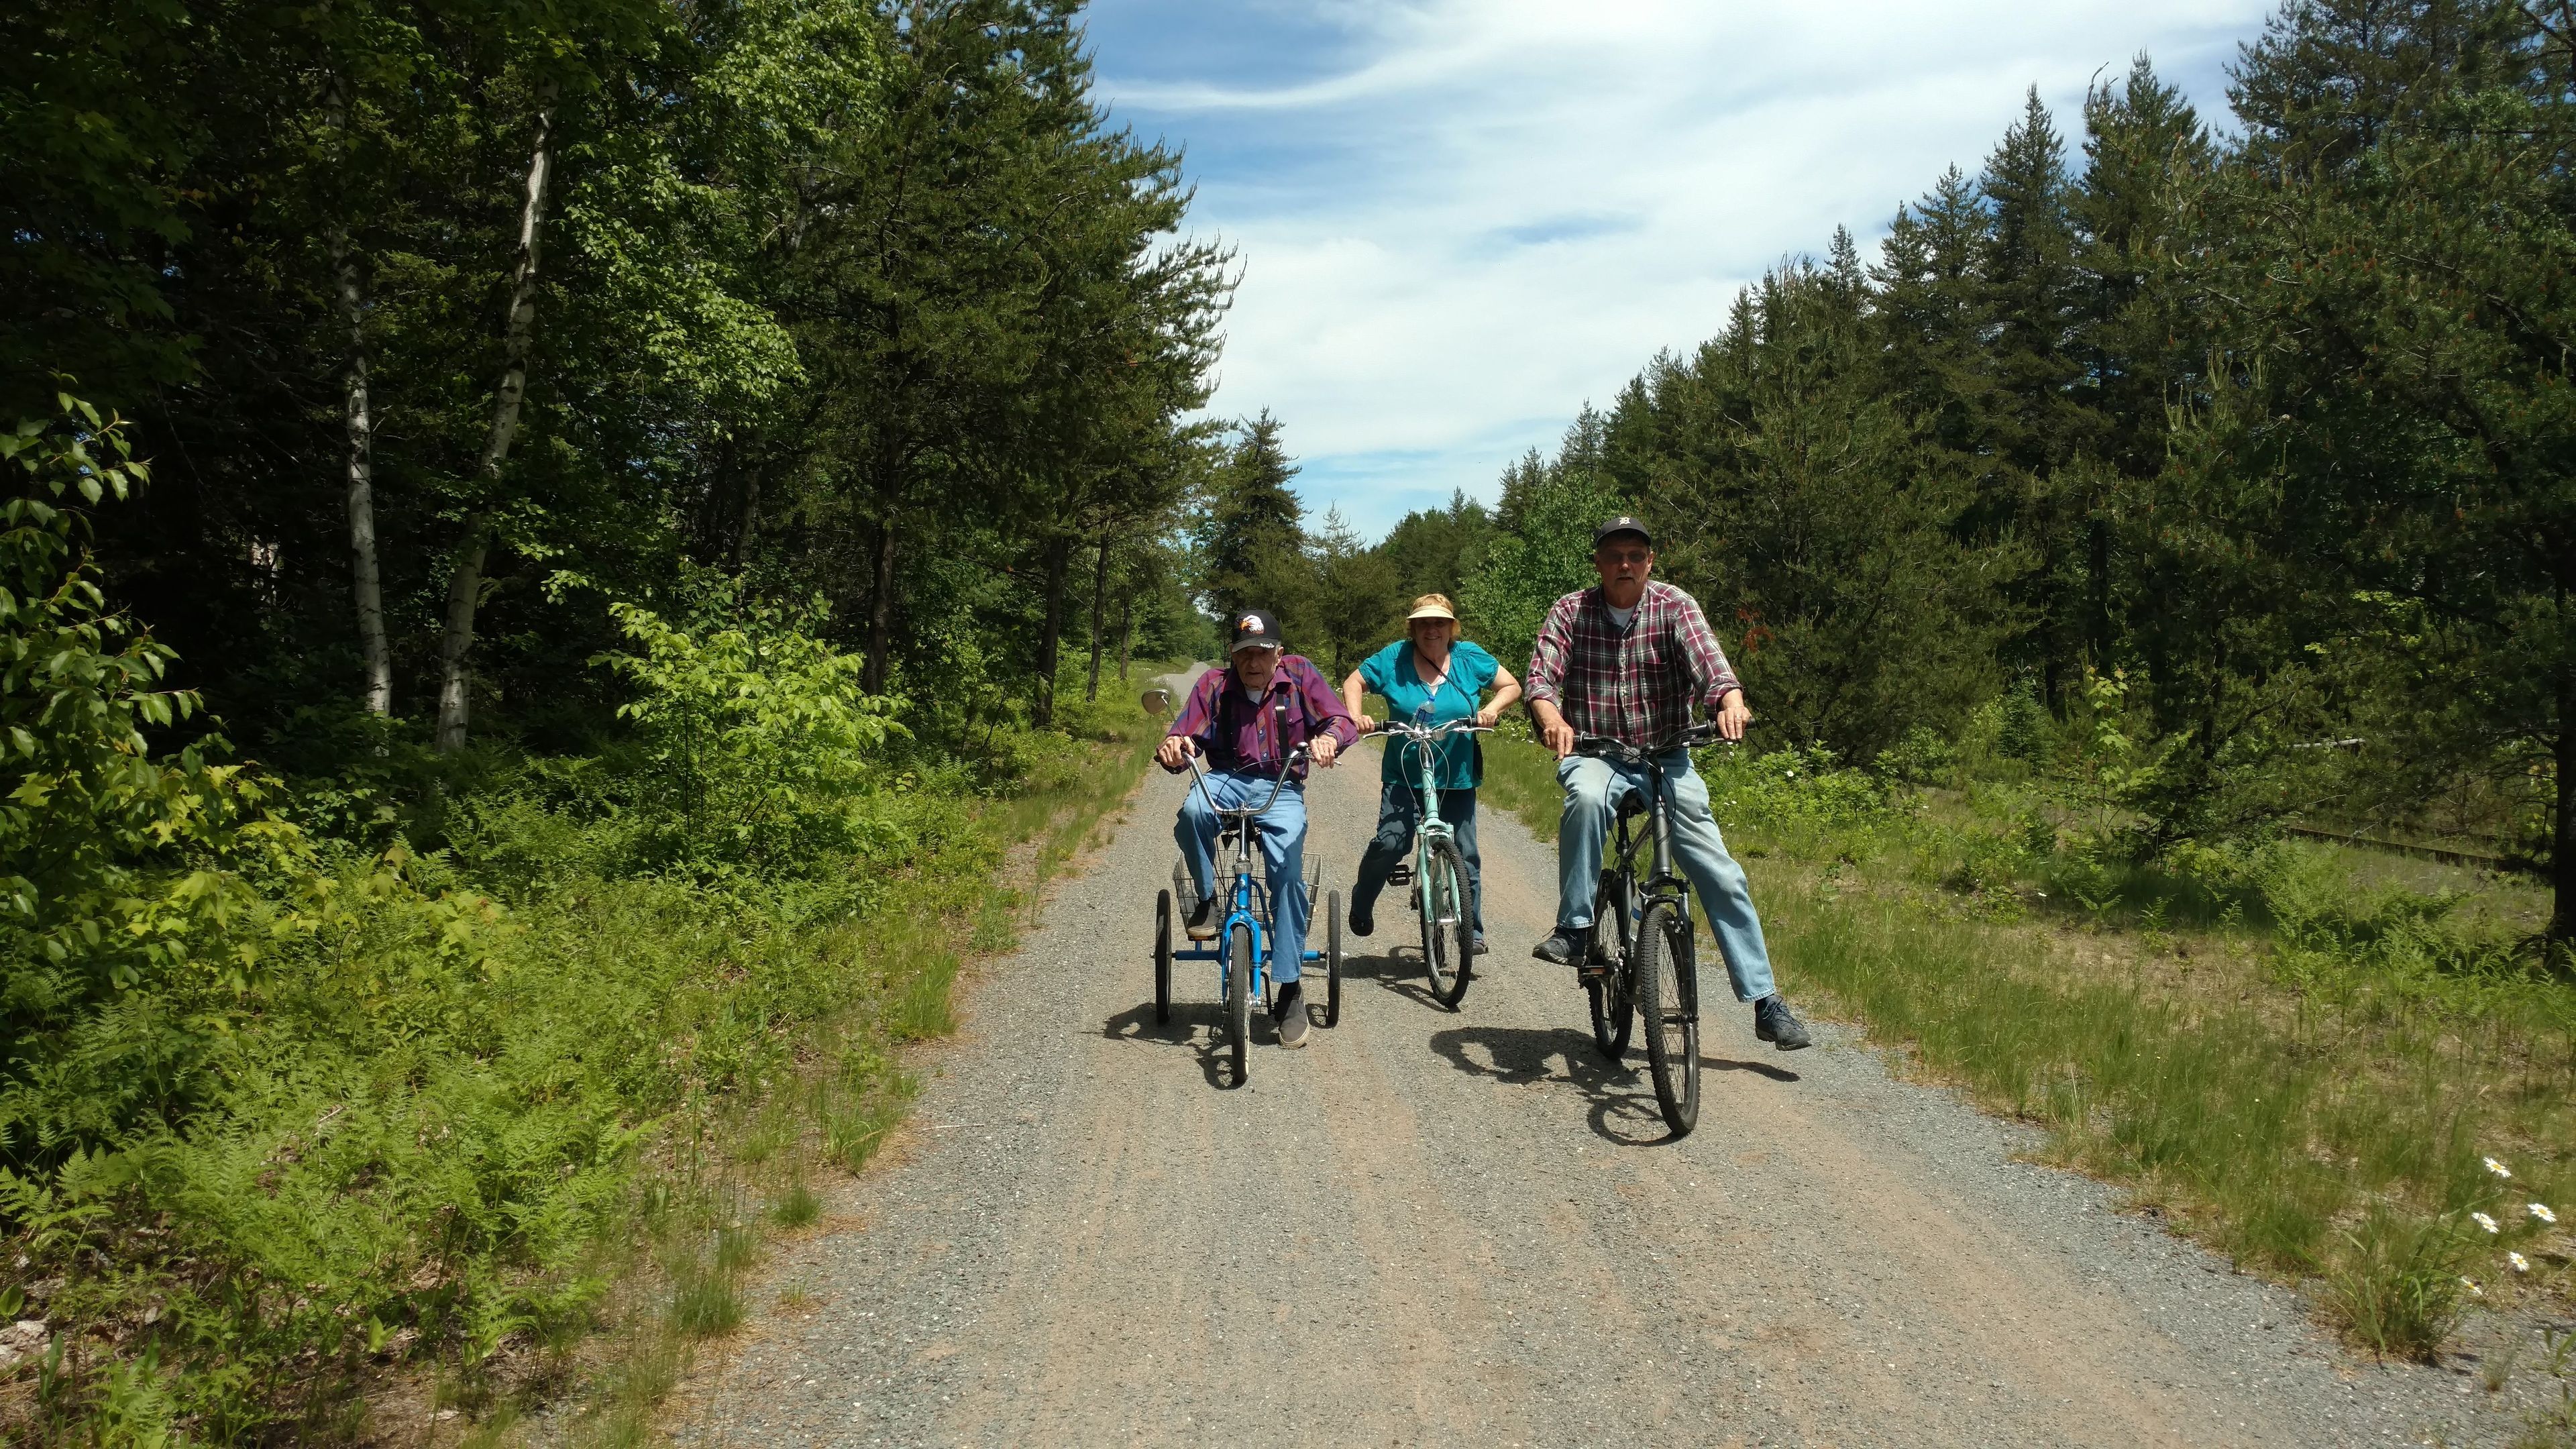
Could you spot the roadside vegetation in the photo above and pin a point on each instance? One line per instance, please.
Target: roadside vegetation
(564, 566)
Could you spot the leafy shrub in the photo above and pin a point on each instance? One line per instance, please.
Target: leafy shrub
(1794, 789)
(757, 740)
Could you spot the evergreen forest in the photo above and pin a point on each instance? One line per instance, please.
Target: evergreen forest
(562, 561)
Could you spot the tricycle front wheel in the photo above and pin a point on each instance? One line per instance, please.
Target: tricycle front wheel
(1333, 959)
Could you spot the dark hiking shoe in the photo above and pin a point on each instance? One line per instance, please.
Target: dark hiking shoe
(1362, 920)
(1290, 1015)
(1202, 922)
(1775, 1023)
(1481, 948)
(1563, 947)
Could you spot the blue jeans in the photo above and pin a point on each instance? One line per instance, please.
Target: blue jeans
(1283, 856)
(1396, 816)
(1593, 790)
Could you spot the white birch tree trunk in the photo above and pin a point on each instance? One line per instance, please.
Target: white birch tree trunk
(465, 585)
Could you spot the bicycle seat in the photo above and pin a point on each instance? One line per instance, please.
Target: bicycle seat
(1632, 805)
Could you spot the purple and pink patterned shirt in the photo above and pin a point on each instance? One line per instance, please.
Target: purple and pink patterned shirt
(1635, 685)
(1236, 736)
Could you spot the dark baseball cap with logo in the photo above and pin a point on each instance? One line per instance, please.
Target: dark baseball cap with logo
(1622, 524)
(1255, 629)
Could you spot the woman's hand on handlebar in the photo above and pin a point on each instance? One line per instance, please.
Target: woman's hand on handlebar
(1367, 723)
(1174, 752)
(1487, 717)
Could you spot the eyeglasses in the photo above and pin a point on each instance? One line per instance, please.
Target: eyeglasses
(1624, 555)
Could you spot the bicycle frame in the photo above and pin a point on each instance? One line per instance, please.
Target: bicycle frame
(1426, 792)
(1663, 882)
(1251, 903)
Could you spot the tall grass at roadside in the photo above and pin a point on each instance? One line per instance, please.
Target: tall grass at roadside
(2306, 1073)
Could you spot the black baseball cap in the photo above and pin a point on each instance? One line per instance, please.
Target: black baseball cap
(1622, 524)
(1255, 628)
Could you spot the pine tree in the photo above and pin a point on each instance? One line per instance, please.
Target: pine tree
(1254, 532)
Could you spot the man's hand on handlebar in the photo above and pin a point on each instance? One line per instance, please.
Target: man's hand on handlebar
(1553, 731)
(1325, 747)
(1175, 751)
(1732, 716)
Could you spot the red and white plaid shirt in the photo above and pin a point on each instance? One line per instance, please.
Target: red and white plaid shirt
(1635, 685)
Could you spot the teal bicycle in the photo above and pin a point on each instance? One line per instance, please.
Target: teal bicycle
(1442, 895)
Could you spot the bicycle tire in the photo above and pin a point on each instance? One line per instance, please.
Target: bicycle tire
(1668, 999)
(1448, 923)
(1333, 958)
(1162, 957)
(1612, 1013)
(1238, 999)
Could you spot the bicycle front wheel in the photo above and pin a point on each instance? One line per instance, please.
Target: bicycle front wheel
(1448, 924)
(1608, 989)
(1238, 999)
(1668, 999)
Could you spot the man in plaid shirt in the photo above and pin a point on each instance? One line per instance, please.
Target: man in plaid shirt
(1627, 659)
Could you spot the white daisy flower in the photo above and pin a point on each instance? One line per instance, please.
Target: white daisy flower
(2472, 1285)
(2520, 1263)
(2498, 1168)
(2482, 1220)
(2541, 1211)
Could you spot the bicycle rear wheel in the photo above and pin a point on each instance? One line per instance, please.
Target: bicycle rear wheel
(1668, 998)
(1162, 957)
(1238, 998)
(1448, 927)
(1611, 1014)
(1333, 958)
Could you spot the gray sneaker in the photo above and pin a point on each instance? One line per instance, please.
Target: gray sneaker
(1290, 1015)
(1775, 1023)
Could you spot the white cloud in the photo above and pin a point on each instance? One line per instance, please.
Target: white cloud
(1501, 208)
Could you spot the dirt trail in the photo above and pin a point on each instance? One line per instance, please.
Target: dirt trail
(1465, 1228)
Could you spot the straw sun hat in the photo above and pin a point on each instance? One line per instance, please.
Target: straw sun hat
(1431, 606)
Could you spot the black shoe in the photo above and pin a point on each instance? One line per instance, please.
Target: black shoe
(1202, 922)
(1563, 947)
(1362, 920)
(1775, 1023)
(1289, 1014)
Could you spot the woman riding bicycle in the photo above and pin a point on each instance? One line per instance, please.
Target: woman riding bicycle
(1429, 677)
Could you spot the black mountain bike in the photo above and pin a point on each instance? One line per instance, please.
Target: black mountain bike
(1641, 962)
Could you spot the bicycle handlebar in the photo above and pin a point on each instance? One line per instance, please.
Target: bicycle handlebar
(1433, 732)
(1604, 747)
(1279, 786)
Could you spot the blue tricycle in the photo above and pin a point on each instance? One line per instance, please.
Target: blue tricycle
(1242, 944)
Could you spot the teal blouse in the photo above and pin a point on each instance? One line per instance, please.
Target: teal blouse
(1392, 672)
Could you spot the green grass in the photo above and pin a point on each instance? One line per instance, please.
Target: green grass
(2283, 1053)
(522, 1142)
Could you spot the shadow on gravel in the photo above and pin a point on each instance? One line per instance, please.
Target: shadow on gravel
(1397, 969)
(1196, 1026)
(1623, 1101)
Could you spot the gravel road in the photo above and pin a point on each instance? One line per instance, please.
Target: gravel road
(1465, 1228)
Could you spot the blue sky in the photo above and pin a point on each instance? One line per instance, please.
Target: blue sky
(1461, 219)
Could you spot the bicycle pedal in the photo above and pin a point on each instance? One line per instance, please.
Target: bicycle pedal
(1401, 875)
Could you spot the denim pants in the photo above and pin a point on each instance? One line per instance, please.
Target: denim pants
(1397, 813)
(1593, 790)
(1282, 835)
